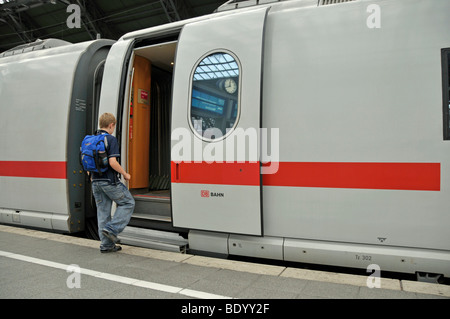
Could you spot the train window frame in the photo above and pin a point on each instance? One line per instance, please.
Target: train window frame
(236, 108)
(446, 91)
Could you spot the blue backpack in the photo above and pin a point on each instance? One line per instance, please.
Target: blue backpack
(93, 153)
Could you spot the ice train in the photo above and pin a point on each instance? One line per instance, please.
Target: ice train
(307, 131)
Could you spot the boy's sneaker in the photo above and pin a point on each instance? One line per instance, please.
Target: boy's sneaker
(111, 236)
(111, 250)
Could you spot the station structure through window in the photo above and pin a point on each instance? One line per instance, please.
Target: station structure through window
(214, 108)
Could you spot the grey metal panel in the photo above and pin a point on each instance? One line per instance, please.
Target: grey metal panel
(263, 247)
(399, 259)
(231, 213)
(357, 216)
(208, 241)
(30, 218)
(33, 194)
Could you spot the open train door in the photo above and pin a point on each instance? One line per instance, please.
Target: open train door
(216, 120)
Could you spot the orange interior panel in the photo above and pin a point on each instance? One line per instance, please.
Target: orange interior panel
(139, 135)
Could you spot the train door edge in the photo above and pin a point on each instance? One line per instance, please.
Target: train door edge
(82, 113)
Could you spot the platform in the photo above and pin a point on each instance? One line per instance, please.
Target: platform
(37, 264)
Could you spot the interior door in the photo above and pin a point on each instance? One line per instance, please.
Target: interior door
(216, 120)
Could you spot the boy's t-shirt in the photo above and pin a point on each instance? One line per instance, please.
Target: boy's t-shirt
(110, 175)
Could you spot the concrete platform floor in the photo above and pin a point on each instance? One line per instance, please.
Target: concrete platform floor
(38, 264)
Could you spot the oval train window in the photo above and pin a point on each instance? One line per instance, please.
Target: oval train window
(215, 96)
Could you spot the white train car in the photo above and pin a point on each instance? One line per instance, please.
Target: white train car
(48, 90)
(293, 130)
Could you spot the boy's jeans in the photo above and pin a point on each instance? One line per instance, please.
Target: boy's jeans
(105, 193)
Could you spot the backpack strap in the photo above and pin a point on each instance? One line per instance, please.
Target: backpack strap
(106, 141)
(98, 132)
(97, 164)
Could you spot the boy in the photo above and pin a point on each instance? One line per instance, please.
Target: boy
(108, 188)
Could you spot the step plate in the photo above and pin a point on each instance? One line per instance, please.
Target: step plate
(154, 239)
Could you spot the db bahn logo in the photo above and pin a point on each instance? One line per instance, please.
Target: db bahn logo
(206, 193)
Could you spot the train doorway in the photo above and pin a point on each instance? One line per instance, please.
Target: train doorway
(148, 134)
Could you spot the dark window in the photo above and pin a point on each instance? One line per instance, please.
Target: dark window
(214, 107)
(446, 91)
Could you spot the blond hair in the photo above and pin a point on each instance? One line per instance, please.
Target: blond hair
(106, 119)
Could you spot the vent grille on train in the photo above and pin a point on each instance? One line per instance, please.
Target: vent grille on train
(327, 2)
(34, 46)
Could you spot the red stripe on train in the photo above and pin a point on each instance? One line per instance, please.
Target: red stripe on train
(392, 176)
(395, 176)
(34, 169)
(216, 173)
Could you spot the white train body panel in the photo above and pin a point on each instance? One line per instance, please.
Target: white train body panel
(343, 93)
(40, 179)
(29, 120)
